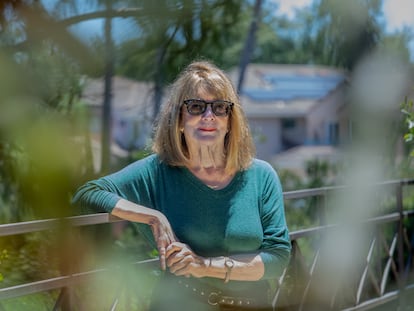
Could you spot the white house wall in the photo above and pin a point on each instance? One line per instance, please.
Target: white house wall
(325, 113)
(267, 136)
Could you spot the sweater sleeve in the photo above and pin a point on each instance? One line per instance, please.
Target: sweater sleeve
(133, 183)
(276, 246)
(98, 195)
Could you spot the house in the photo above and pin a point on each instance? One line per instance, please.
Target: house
(286, 105)
(131, 109)
(294, 105)
(131, 116)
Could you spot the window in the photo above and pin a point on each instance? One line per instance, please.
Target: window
(333, 133)
(288, 123)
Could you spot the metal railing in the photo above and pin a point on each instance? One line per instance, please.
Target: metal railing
(381, 265)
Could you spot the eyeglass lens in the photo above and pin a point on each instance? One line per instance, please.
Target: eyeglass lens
(198, 106)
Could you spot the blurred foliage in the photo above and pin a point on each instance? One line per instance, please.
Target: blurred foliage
(347, 31)
(219, 36)
(3, 255)
(34, 302)
(28, 258)
(44, 141)
(181, 32)
(407, 108)
(307, 212)
(42, 155)
(405, 131)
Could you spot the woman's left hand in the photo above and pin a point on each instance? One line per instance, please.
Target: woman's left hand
(182, 261)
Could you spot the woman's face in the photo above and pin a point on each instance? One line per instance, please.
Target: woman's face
(205, 129)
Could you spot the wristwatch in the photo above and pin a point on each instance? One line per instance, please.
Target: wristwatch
(229, 264)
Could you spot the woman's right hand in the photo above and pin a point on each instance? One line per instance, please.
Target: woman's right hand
(160, 226)
(163, 235)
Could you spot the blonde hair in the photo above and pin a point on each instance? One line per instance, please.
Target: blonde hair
(202, 77)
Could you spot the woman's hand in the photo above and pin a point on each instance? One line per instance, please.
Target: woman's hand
(160, 226)
(181, 260)
(163, 235)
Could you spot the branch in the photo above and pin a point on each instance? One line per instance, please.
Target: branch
(124, 13)
(40, 26)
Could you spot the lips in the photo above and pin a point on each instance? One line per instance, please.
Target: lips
(204, 129)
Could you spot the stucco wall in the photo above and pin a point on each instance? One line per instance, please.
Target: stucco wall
(267, 136)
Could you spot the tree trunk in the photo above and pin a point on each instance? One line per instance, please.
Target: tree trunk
(249, 45)
(158, 82)
(106, 114)
(159, 74)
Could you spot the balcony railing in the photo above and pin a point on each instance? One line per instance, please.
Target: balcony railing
(358, 263)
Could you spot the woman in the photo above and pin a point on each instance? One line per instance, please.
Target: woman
(216, 213)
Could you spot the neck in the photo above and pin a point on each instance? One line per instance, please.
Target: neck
(207, 157)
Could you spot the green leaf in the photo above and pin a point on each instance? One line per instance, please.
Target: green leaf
(408, 137)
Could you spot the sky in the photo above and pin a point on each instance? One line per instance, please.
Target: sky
(397, 13)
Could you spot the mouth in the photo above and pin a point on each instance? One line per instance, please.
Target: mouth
(203, 129)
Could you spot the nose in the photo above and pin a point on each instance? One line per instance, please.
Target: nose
(208, 114)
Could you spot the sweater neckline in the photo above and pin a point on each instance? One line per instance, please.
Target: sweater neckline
(201, 185)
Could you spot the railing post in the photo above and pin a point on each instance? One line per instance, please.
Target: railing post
(401, 270)
(64, 301)
(322, 208)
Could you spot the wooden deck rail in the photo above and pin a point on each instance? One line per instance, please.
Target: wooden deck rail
(296, 295)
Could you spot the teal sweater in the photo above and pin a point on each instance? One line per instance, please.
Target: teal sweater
(246, 216)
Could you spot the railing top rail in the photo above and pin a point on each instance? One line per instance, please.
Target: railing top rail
(392, 217)
(48, 224)
(303, 193)
(61, 281)
(102, 218)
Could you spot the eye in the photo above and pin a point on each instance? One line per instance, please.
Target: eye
(221, 106)
(195, 106)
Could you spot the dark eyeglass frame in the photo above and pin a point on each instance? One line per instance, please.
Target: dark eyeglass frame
(214, 106)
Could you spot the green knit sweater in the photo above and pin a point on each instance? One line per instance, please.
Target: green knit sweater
(246, 216)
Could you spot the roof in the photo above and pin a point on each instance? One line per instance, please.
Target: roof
(286, 90)
(289, 86)
(269, 90)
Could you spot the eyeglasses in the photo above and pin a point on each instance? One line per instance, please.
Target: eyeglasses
(196, 107)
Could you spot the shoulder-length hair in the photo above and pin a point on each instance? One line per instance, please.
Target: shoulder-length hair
(202, 77)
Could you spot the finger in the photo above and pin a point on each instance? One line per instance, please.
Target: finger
(175, 258)
(181, 270)
(171, 260)
(162, 258)
(179, 256)
(182, 265)
(173, 248)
